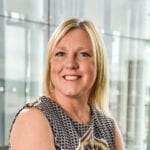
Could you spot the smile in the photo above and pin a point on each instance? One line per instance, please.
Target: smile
(71, 77)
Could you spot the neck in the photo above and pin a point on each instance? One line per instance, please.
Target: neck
(76, 107)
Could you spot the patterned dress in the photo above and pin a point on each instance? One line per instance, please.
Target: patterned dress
(72, 135)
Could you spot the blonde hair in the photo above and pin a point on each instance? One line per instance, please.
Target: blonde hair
(98, 96)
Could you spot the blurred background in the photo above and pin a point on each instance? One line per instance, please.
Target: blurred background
(25, 27)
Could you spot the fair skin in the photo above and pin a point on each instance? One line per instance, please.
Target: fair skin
(73, 64)
(73, 72)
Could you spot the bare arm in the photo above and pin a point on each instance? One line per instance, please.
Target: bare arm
(119, 145)
(31, 131)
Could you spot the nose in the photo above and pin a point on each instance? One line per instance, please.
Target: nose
(72, 63)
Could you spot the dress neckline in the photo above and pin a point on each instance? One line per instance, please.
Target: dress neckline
(69, 117)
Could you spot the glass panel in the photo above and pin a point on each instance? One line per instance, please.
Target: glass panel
(23, 59)
(34, 10)
(129, 18)
(64, 9)
(129, 82)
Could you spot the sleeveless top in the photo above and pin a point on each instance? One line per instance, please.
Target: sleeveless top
(72, 135)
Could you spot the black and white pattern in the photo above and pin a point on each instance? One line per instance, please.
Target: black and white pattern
(68, 132)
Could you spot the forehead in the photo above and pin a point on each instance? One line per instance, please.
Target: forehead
(75, 36)
(76, 32)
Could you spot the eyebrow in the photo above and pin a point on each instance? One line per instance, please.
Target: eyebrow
(65, 49)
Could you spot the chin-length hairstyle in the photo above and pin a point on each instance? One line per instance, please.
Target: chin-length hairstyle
(99, 92)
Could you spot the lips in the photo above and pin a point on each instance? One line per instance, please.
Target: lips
(71, 77)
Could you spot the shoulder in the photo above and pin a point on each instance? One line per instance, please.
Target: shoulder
(104, 118)
(29, 129)
(119, 144)
(28, 114)
(109, 124)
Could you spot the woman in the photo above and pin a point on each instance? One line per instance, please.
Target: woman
(73, 113)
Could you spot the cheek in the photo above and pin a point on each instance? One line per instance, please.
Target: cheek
(91, 70)
(92, 67)
(93, 73)
(54, 72)
(55, 67)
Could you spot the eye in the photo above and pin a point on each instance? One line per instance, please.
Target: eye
(60, 53)
(85, 54)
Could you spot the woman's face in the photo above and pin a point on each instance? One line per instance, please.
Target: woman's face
(73, 67)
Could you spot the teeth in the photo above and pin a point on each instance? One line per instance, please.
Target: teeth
(71, 77)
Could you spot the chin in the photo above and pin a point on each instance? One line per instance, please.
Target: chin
(72, 93)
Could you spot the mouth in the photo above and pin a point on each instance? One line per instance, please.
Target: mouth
(71, 77)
